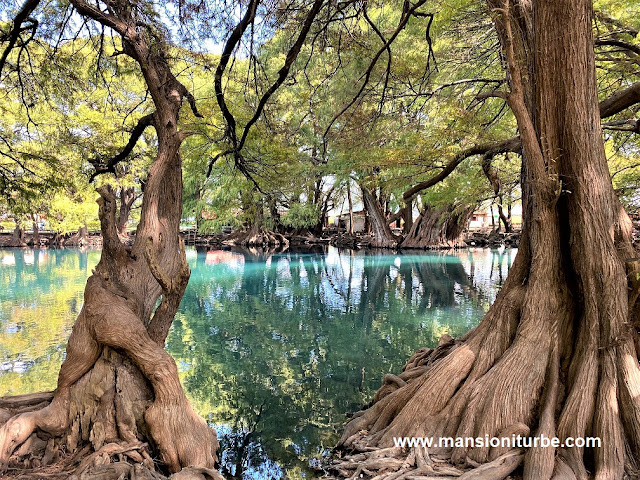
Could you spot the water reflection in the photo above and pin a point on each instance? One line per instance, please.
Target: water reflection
(279, 347)
(273, 349)
(40, 296)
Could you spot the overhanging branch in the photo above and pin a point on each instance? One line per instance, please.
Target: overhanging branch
(608, 107)
(14, 34)
(631, 125)
(232, 42)
(292, 54)
(610, 42)
(512, 144)
(109, 167)
(620, 100)
(408, 13)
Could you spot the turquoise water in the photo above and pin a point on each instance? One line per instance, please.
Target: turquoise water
(274, 350)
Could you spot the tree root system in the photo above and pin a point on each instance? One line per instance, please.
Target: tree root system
(257, 237)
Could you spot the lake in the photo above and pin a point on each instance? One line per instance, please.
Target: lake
(273, 349)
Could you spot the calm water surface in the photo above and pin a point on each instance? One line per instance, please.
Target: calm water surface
(273, 350)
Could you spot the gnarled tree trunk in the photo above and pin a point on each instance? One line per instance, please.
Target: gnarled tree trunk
(555, 353)
(438, 228)
(78, 239)
(118, 389)
(35, 238)
(382, 236)
(17, 237)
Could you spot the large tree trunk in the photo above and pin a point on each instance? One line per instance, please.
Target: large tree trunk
(555, 353)
(17, 237)
(438, 228)
(382, 236)
(35, 238)
(407, 216)
(78, 239)
(118, 388)
(350, 207)
(321, 201)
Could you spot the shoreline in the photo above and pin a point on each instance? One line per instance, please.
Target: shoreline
(355, 242)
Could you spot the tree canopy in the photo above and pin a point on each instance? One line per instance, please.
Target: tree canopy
(269, 115)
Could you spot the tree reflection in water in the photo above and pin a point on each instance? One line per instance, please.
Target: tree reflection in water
(276, 348)
(273, 348)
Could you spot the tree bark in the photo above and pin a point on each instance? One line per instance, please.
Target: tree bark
(407, 216)
(350, 207)
(438, 228)
(382, 236)
(321, 201)
(35, 238)
(325, 208)
(117, 384)
(17, 237)
(257, 235)
(555, 353)
(127, 198)
(79, 239)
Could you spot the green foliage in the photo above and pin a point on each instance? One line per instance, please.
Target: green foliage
(67, 213)
(70, 115)
(319, 129)
(301, 215)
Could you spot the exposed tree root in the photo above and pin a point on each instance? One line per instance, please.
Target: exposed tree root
(415, 463)
(40, 456)
(490, 383)
(113, 462)
(438, 228)
(78, 239)
(257, 236)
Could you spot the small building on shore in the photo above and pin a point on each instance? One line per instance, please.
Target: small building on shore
(343, 221)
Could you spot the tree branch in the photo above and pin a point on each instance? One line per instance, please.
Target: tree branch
(620, 100)
(232, 42)
(493, 94)
(608, 107)
(292, 54)
(229, 47)
(387, 72)
(191, 100)
(14, 34)
(619, 43)
(512, 144)
(103, 18)
(110, 165)
(631, 125)
(367, 74)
